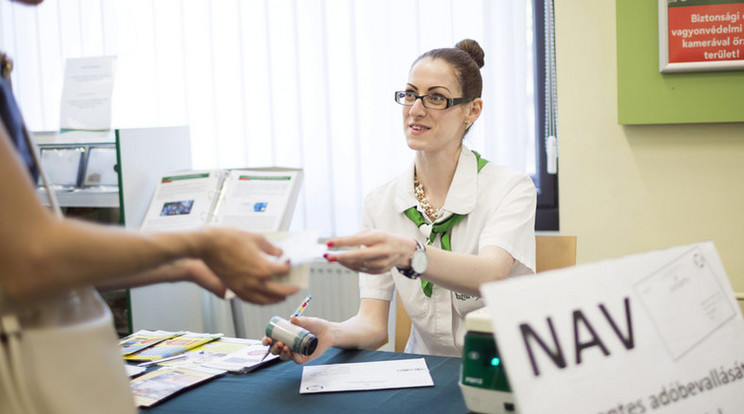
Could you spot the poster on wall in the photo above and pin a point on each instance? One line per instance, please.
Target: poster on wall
(701, 35)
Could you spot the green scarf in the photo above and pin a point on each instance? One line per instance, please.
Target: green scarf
(443, 228)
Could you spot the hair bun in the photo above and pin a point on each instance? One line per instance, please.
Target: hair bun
(473, 49)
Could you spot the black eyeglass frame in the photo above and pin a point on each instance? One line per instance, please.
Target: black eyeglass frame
(450, 101)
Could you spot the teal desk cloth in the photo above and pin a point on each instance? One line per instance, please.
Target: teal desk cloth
(275, 389)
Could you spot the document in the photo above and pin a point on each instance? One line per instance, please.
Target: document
(248, 199)
(255, 200)
(360, 376)
(86, 93)
(657, 332)
(173, 346)
(183, 201)
(243, 360)
(156, 386)
(143, 339)
(235, 355)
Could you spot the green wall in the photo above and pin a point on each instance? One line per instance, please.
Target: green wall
(646, 96)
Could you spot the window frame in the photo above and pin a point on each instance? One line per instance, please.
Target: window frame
(547, 217)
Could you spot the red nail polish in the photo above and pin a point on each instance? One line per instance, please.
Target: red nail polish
(325, 255)
(332, 259)
(330, 244)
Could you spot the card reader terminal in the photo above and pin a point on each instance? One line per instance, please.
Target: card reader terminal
(483, 380)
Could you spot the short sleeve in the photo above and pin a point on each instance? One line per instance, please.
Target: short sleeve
(511, 225)
(379, 286)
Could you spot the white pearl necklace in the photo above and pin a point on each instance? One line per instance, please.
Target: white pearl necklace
(418, 191)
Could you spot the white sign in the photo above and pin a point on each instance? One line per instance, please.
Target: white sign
(86, 93)
(658, 332)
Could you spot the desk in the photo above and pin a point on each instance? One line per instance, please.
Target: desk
(276, 389)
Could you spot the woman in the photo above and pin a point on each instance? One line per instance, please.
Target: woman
(491, 211)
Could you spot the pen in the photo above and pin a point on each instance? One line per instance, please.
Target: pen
(298, 312)
(157, 361)
(302, 306)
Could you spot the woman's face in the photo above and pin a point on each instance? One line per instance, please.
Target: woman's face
(434, 129)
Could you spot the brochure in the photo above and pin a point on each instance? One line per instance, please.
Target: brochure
(247, 199)
(143, 339)
(156, 386)
(173, 346)
(244, 360)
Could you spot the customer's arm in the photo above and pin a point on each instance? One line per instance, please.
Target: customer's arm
(42, 254)
(182, 270)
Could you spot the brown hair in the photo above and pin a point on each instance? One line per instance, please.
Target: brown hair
(466, 59)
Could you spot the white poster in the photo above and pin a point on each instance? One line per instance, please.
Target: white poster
(87, 93)
(658, 332)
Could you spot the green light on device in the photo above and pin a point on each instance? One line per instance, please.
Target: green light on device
(496, 361)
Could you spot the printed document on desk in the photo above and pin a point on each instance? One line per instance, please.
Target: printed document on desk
(361, 376)
(657, 332)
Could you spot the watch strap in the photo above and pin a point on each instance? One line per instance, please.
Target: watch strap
(409, 272)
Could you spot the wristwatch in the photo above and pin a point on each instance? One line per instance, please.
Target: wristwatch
(419, 262)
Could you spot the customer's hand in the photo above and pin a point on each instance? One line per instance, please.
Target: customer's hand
(316, 326)
(378, 253)
(246, 263)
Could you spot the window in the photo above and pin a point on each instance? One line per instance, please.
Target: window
(546, 175)
(293, 83)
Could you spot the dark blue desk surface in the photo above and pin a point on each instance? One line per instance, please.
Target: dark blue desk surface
(276, 389)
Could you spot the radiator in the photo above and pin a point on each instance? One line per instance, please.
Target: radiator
(335, 292)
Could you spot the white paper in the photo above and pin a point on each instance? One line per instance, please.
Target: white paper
(133, 370)
(377, 375)
(657, 332)
(86, 93)
(182, 201)
(301, 249)
(298, 247)
(255, 200)
(243, 360)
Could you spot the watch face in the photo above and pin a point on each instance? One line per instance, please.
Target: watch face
(419, 261)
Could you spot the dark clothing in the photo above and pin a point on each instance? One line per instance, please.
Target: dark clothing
(13, 121)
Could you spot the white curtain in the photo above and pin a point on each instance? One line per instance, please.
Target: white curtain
(294, 83)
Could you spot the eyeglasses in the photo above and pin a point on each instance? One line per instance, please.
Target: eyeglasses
(431, 101)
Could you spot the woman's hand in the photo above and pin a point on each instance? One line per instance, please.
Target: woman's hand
(381, 251)
(318, 327)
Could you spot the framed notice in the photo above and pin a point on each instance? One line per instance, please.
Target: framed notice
(701, 35)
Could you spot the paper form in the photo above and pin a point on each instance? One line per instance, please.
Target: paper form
(377, 375)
